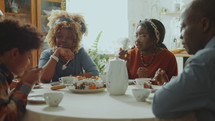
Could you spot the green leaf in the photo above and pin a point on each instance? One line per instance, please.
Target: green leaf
(99, 59)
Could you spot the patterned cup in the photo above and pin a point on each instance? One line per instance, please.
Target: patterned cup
(53, 98)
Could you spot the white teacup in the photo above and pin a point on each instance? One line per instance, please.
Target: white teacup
(68, 79)
(139, 82)
(141, 94)
(53, 98)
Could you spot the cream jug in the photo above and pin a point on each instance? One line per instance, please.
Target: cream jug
(117, 77)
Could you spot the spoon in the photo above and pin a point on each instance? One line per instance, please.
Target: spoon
(65, 65)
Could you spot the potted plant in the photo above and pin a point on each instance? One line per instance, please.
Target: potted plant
(99, 59)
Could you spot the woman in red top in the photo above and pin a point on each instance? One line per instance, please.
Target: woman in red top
(150, 53)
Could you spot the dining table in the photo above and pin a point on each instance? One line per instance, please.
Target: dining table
(89, 106)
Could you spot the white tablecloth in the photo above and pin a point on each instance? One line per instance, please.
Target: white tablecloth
(90, 107)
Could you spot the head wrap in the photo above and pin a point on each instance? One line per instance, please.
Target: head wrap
(83, 27)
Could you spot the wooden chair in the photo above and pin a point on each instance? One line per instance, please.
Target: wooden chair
(188, 117)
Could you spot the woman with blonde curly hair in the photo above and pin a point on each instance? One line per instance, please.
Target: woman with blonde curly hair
(65, 57)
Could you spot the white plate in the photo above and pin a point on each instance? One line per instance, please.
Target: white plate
(86, 90)
(152, 79)
(36, 86)
(148, 100)
(131, 81)
(156, 87)
(36, 99)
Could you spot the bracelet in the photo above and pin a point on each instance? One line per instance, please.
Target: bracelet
(54, 57)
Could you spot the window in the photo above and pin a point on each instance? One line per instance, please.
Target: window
(108, 16)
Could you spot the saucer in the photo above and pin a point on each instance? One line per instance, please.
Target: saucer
(36, 99)
(148, 100)
(87, 90)
(36, 86)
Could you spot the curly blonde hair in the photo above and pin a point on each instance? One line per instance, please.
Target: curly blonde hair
(76, 25)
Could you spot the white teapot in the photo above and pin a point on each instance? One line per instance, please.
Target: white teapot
(117, 77)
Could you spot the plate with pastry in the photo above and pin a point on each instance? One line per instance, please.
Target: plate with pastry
(86, 90)
(87, 85)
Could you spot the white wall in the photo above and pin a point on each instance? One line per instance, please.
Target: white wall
(142, 9)
(108, 16)
(139, 10)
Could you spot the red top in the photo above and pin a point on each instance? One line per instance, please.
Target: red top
(163, 59)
